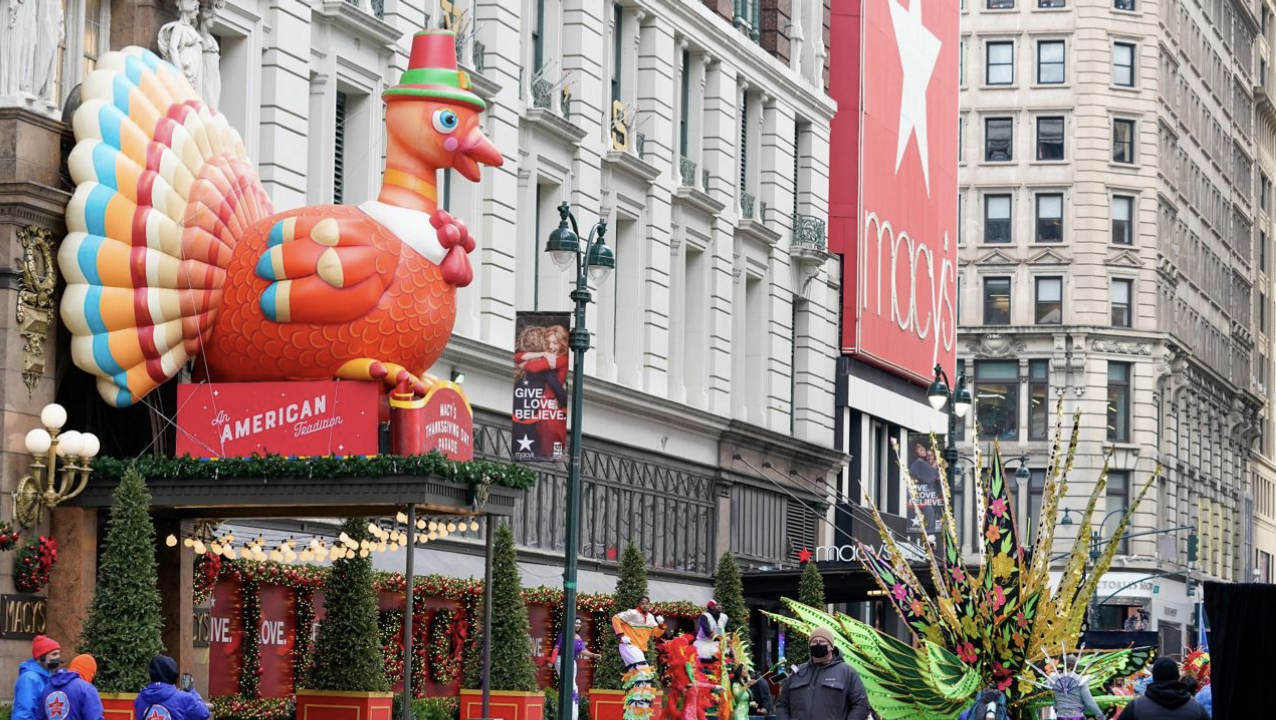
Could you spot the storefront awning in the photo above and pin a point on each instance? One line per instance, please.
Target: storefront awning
(843, 583)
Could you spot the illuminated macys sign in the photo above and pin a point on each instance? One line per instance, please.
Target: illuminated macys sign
(851, 553)
(23, 616)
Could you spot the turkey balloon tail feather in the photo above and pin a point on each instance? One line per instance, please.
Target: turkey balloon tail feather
(164, 191)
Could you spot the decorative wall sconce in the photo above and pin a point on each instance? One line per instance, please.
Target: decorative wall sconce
(59, 470)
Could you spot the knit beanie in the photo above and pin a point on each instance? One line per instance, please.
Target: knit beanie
(163, 669)
(822, 632)
(1165, 669)
(43, 645)
(85, 665)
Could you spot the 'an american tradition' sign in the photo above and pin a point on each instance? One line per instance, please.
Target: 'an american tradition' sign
(325, 417)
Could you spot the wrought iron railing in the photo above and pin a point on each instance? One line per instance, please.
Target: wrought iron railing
(378, 8)
(542, 93)
(687, 168)
(746, 205)
(809, 233)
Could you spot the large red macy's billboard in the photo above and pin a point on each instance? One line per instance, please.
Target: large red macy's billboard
(893, 68)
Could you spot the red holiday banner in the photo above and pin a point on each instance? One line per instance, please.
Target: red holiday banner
(449, 422)
(276, 639)
(541, 356)
(226, 638)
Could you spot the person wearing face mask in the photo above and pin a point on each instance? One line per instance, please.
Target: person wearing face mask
(33, 678)
(826, 688)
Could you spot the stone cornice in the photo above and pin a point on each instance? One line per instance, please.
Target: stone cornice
(555, 125)
(359, 23)
(698, 199)
(633, 165)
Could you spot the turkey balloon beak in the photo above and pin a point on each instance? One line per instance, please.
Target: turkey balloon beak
(476, 149)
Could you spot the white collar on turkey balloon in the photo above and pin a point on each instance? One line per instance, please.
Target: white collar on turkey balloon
(412, 227)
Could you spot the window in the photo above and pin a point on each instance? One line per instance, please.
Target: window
(1262, 311)
(997, 301)
(1036, 494)
(1118, 402)
(1049, 217)
(996, 218)
(1038, 399)
(1001, 63)
(618, 54)
(1119, 297)
(1262, 250)
(1118, 497)
(1123, 141)
(1263, 185)
(1001, 4)
(999, 143)
(1123, 5)
(1050, 62)
(997, 398)
(961, 212)
(961, 63)
(1049, 138)
(339, 150)
(1052, 3)
(1049, 306)
(961, 138)
(1122, 214)
(1123, 64)
(684, 107)
(538, 38)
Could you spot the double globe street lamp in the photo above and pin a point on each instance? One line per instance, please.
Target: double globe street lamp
(957, 403)
(594, 261)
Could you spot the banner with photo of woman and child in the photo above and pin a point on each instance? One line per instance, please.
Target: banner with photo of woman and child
(541, 358)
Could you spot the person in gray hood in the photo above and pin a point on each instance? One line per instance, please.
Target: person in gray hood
(826, 688)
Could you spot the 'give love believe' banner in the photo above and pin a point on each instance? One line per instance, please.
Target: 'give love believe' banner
(276, 639)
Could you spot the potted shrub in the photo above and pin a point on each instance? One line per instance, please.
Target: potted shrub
(123, 628)
(606, 698)
(348, 677)
(512, 676)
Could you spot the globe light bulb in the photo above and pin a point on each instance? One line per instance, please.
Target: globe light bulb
(306, 555)
(91, 446)
(433, 526)
(451, 527)
(394, 547)
(171, 541)
(434, 535)
(53, 416)
(363, 553)
(38, 441)
(216, 548)
(289, 556)
(187, 542)
(70, 443)
(276, 555)
(199, 548)
(401, 517)
(229, 552)
(474, 525)
(420, 524)
(443, 533)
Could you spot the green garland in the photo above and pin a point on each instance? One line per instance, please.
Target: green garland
(390, 630)
(235, 707)
(303, 647)
(474, 472)
(250, 672)
(444, 665)
(8, 537)
(34, 564)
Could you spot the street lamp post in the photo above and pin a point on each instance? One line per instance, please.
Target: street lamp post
(957, 402)
(594, 261)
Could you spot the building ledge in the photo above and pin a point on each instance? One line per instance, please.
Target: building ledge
(633, 165)
(483, 86)
(758, 231)
(359, 22)
(698, 199)
(553, 124)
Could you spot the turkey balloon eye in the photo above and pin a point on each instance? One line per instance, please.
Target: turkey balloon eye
(445, 121)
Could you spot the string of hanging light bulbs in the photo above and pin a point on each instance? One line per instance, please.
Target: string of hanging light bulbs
(319, 549)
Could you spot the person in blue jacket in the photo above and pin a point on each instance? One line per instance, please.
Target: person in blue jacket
(33, 677)
(161, 700)
(1205, 696)
(71, 695)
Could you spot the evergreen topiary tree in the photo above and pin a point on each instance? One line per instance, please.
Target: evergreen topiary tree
(348, 652)
(729, 591)
(512, 668)
(630, 588)
(810, 592)
(123, 627)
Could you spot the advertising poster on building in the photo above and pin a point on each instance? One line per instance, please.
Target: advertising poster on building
(926, 510)
(225, 655)
(276, 640)
(540, 387)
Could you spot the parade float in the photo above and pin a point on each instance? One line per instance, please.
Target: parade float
(999, 625)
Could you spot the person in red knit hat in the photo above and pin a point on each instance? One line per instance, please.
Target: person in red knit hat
(33, 678)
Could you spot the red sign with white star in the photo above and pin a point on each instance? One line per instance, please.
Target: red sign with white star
(893, 71)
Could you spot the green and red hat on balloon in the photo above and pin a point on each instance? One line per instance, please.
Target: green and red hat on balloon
(432, 73)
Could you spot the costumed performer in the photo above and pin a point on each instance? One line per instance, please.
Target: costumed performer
(634, 628)
(990, 705)
(1071, 690)
(709, 631)
(579, 650)
(688, 692)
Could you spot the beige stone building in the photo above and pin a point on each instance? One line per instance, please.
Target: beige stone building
(1115, 254)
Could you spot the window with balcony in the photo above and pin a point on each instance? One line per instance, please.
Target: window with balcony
(997, 218)
(1049, 217)
(1038, 399)
(1000, 68)
(1049, 138)
(1123, 141)
(1048, 309)
(1122, 220)
(997, 301)
(999, 144)
(1123, 64)
(1118, 402)
(997, 399)
(1050, 62)
(1120, 294)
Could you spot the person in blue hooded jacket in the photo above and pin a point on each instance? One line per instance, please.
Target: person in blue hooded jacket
(33, 677)
(161, 700)
(71, 695)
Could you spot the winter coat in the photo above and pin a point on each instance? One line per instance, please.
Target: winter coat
(69, 697)
(27, 691)
(1206, 698)
(1165, 700)
(161, 701)
(832, 691)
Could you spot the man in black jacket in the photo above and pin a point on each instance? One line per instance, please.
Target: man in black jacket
(826, 688)
(1166, 698)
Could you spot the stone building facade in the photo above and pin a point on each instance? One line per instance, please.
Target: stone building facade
(1115, 236)
(697, 130)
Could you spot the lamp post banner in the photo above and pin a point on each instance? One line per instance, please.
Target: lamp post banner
(926, 509)
(541, 357)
